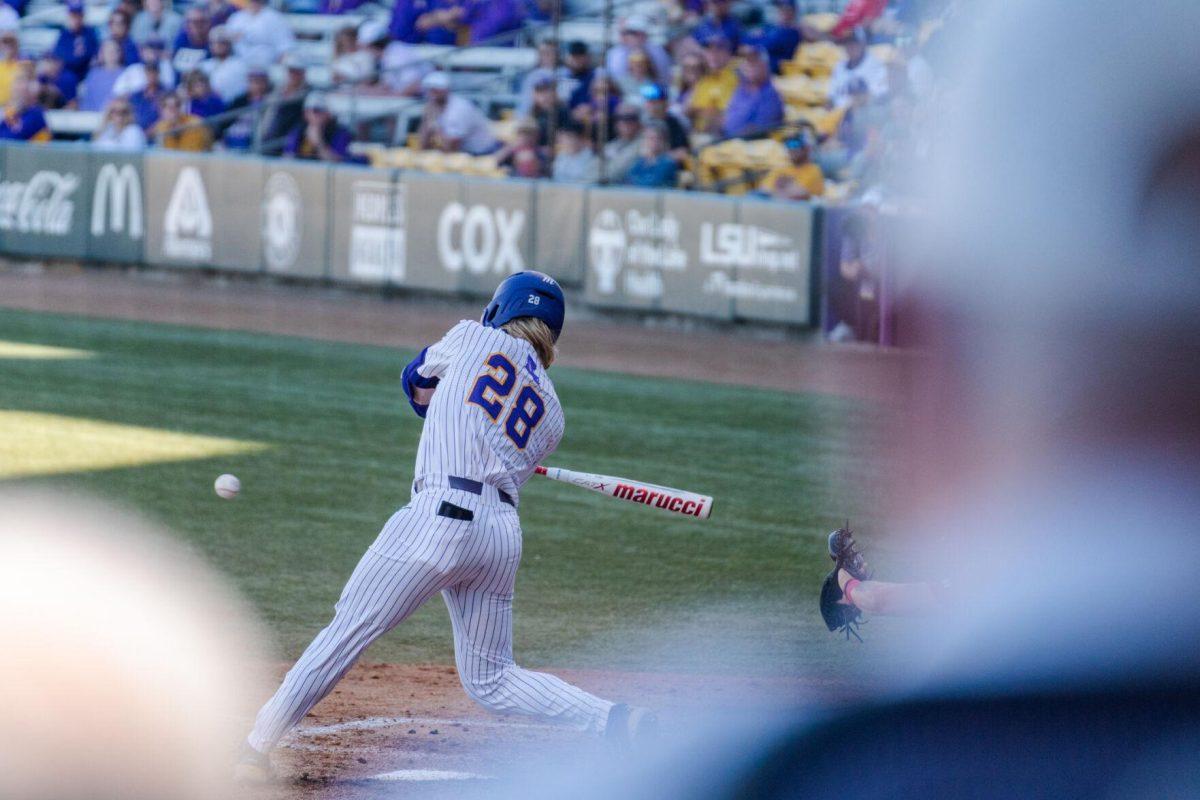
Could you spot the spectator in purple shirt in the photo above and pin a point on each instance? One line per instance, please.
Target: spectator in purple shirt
(77, 44)
(199, 98)
(57, 86)
(756, 106)
(97, 87)
(439, 22)
(403, 27)
(319, 137)
(718, 21)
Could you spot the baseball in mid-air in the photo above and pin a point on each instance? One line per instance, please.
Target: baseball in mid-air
(227, 486)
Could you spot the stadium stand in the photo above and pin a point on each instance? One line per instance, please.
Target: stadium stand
(852, 95)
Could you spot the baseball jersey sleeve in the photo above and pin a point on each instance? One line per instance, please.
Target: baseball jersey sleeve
(422, 375)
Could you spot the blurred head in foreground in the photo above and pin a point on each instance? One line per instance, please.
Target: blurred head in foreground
(128, 667)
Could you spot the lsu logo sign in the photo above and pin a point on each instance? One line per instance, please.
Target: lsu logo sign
(480, 239)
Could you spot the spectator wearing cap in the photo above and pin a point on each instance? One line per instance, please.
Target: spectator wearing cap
(575, 85)
(97, 88)
(756, 107)
(156, 18)
(145, 100)
(118, 130)
(154, 59)
(714, 90)
(77, 44)
(654, 167)
(858, 64)
(24, 119)
(524, 158)
(57, 86)
(781, 37)
(574, 159)
(655, 109)
(199, 98)
(227, 73)
(452, 123)
(118, 31)
(717, 21)
(548, 111)
(239, 130)
(626, 146)
(799, 180)
(190, 46)
(261, 35)
(178, 130)
(635, 36)
(319, 137)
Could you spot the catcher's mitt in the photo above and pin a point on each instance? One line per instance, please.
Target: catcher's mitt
(841, 616)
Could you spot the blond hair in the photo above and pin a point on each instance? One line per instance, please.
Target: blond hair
(537, 333)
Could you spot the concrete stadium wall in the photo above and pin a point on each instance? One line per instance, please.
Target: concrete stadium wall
(676, 252)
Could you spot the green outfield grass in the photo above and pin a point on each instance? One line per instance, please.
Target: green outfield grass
(603, 583)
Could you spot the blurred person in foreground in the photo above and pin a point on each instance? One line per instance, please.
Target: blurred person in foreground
(177, 130)
(654, 168)
(451, 123)
(24, 119)
(755, 109)
(799, 180)
(319, 137)
(1048, 454)
(118, 129)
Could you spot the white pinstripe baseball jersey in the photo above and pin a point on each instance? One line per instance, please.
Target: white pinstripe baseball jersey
(494, 415)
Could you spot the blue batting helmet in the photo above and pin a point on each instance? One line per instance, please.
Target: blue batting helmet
(527, 294)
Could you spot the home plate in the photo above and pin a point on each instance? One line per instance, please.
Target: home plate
(429, 775)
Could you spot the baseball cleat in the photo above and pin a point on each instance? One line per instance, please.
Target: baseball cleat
(629, 725)
(253, 767)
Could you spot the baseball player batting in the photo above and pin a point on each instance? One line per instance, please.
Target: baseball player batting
(491, 414)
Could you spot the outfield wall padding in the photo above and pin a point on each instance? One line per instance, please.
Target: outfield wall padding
(676, 252)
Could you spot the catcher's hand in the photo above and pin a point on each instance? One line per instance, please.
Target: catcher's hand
(839, 615)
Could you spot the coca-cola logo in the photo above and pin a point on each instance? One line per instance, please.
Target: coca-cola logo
(41, 205)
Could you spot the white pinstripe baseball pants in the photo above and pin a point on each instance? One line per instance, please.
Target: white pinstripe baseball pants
(416, 555)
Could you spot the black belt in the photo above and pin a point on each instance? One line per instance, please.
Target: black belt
(476, 487)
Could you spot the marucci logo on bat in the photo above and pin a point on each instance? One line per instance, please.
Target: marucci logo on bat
(637, 494)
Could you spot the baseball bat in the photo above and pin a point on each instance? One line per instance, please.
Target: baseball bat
(678, 501)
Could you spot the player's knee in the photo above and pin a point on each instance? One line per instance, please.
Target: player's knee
(486, 691)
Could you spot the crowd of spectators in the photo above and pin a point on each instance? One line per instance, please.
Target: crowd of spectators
(636, 114)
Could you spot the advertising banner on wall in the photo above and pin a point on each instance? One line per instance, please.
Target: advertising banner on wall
(236, 196)
(629, 244)
(369, 225)
(44, 202)
(436, 219)
(770, 251)
(295, 233)
(558, 232)
(180, 230)
(704, 223)
(117, 217)
(489, 235)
